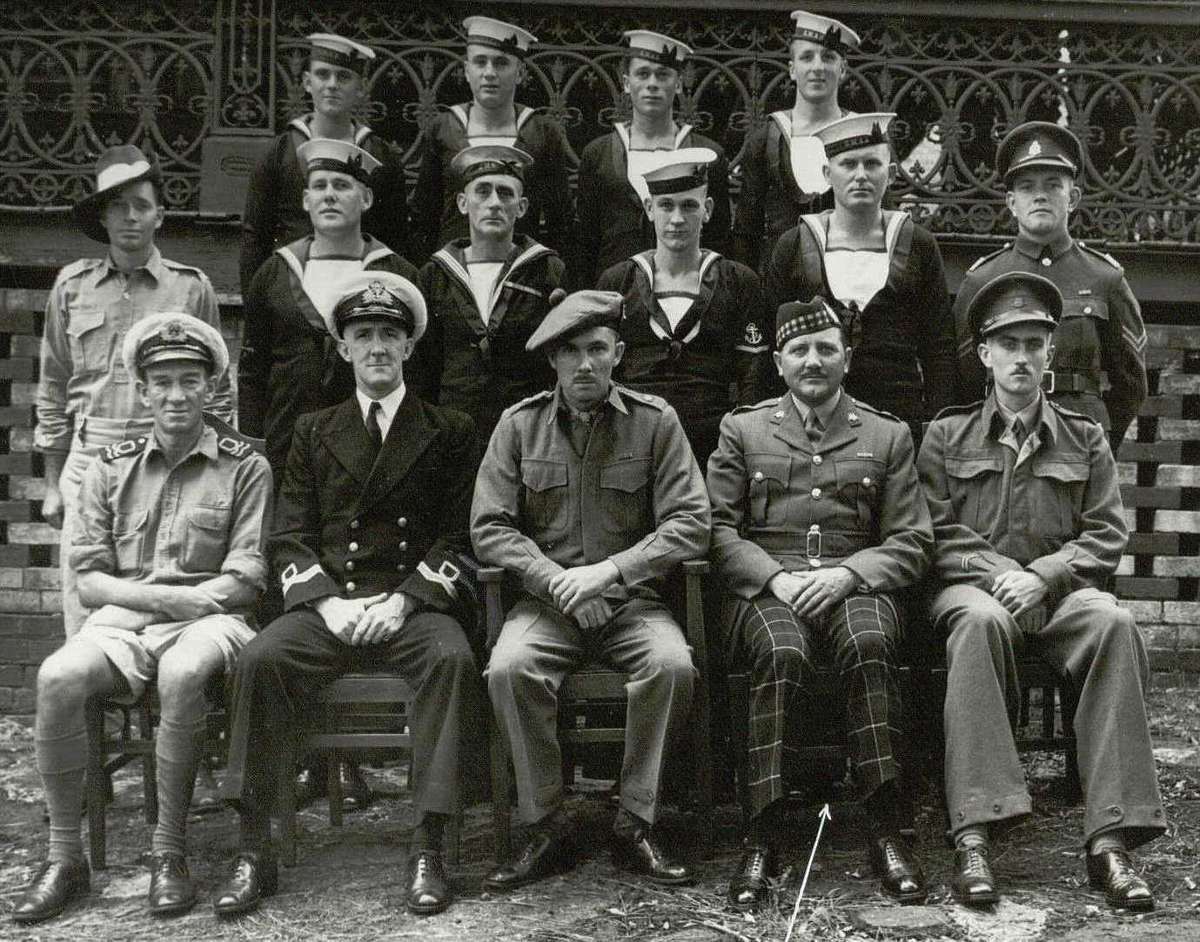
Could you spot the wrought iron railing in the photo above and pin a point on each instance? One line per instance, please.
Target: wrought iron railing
(74, 78)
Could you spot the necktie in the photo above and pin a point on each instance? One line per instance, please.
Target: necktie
(373, 427)
(1018, 430)
(581, 431)
(813, 428)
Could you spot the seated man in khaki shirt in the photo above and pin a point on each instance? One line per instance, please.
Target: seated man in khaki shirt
(590, 495)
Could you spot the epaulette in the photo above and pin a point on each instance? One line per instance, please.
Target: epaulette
(765, 404)
(124, 449)
(874, 409)
(78, 267)
(537, 397)
(646, 399)
(1104, 255)
(1070, 413)
(233, 442)
(182, 266)
(991, 255)
(959, 410)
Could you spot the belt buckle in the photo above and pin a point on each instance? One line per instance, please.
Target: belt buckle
(1048, 382)
(812, 545)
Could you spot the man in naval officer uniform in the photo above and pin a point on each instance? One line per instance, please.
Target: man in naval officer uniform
(1029, 525)
(373, 502)
(817, 522)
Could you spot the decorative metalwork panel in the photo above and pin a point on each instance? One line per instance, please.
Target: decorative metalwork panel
(1132, 94)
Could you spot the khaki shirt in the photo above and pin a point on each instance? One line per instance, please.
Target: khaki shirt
(91, 307)
(144, 521)
(781, 503)
(635, 495)
(1057, 512)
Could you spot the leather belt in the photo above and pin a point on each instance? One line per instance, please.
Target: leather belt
(1064, 381)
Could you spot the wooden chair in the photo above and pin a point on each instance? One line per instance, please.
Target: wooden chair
(355, 713)
(595, 685)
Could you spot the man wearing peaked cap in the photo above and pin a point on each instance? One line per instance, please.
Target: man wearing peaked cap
(589, 495)
(487, 294)
(818, 523)
(85, 397)
(167, 546)
(494, 65)
(1100, 364)
(369, 548)
(783, 160)
(882, 271)
(275, 214)
(1029, 527)
(690, 314)
(611, 221)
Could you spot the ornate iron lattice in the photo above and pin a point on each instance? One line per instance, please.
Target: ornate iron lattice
(1131, 94)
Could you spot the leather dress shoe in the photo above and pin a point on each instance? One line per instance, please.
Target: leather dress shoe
(53, 886)
(355, 793)
(1112, 871)
(900, 876)
(748, 888)
(428, 886)
(640, 853)
(973, 883)
(255, 875)
(310, 785)
(171, 888)
(545, 854)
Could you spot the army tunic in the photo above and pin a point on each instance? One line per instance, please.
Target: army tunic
(435, 210)
(782, 503)
(903, 338)
(611, 223)
(275, 216)
(1054, 510)
(720, 340)
(1099, 365)
(481, 367)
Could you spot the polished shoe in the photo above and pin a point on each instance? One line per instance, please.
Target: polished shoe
(545, 854)
(206, 796)
(748, 888)
(1112, 871)
(255, 875)
(900, 876)
(973, 883)
(171, 888)
(639, 853)
(310, 785)
(54, 885)
(355, 793)
(428, 886)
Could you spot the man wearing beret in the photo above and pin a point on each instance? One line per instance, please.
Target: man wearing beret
(487, 294)
(372, 507)
(589, 495)
(1100, 343)
(1028, 524)
(168, 545)
(86, 399)
(275, 213)
(817, 522)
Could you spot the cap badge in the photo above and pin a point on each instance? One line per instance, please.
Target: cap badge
(1018, 302)
(376, 293)
(173, 331)
(1035, 148)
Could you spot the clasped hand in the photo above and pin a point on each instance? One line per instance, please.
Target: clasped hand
(572, 587)
(1019, 590)
(813, 594)
(370, 620)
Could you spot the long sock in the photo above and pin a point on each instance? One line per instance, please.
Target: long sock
(176, 750)
(1109, 840)
(62, 762)
(971, 837)
(428, 833)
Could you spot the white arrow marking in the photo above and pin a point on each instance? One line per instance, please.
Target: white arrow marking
(822, 817)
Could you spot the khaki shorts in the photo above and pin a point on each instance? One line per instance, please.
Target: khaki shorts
(135, 652)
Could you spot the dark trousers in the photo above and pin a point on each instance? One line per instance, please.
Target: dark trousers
(280, 672)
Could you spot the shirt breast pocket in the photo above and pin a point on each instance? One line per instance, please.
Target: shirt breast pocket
(545, 493)
(89, 342)
(1059, 498)
(625, 494)
(858, 484)
(129, 537)
(1077, 337)
(974, 483)
(768, 485)
(206, 540)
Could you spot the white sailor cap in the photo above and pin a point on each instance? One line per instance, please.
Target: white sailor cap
(855, 131)
(825, 31)
(381, 295)
(338, 50)
(173, 335)
(325, 153)
(675, 171)
(655, 47)
(485, 31)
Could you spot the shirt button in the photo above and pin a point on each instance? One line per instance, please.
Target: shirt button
(353, 524)
(817, 459)
(816, 493)
(350, 565)
(996, 808)
(1047, 262)
(962, 816)
(779, 415)
(402, 522)
(1088, 309)
(401, 567)
(1115, 811)
(353, 547)
(866, 482)
(403, 545)
(350, 587)
(758, 475)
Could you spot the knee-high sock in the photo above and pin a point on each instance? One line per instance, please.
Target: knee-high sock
(176, 750)
(62, 762)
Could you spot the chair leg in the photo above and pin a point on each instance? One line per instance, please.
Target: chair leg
(149, 763)
(501, 786)
(96, 783)
(702, 765)
(334, 788)
(739, 737)
(287, 805)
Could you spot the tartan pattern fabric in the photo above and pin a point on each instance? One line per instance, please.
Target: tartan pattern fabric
(779, 650)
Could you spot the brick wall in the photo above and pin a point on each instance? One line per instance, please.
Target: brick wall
(1160, 473)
